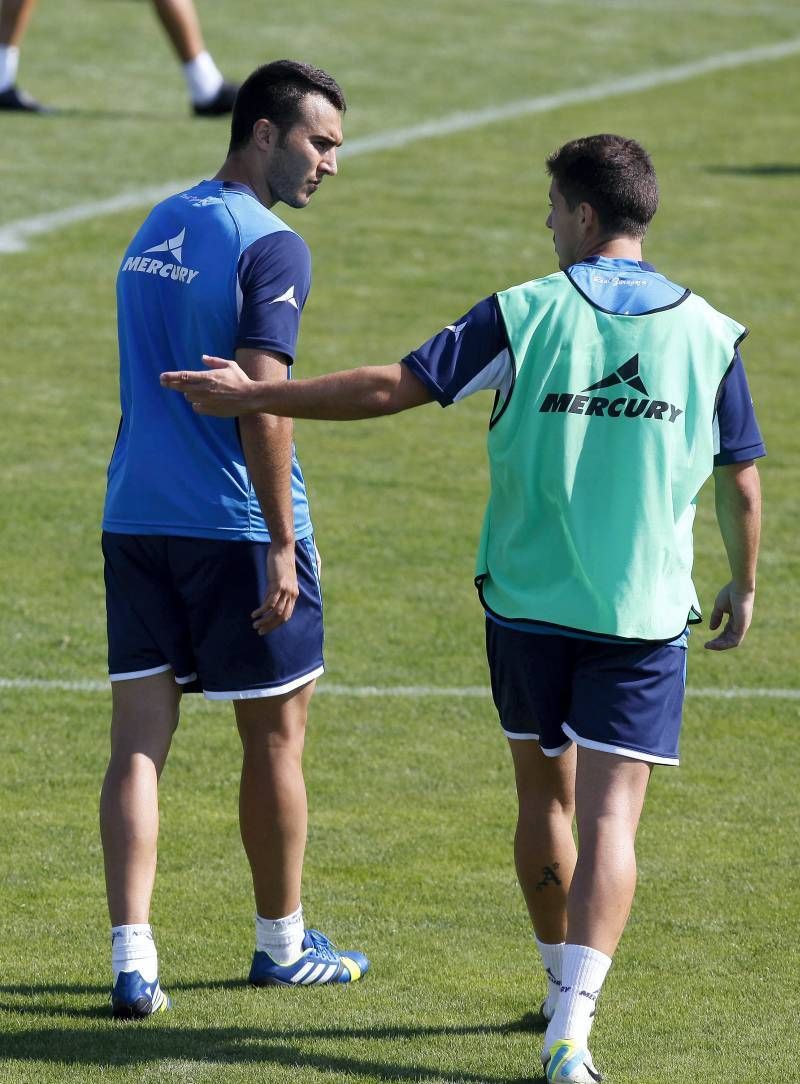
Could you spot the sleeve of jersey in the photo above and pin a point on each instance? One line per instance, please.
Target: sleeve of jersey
(468, 355)
(274, 276)
(737, 435)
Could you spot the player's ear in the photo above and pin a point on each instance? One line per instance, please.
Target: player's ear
(263, 133)
(587, 216)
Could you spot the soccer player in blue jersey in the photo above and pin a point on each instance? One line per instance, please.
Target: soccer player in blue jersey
(617, 392)
(210, 565)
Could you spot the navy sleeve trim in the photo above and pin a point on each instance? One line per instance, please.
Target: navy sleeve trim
(740, 438)
(418, 369)
(269, 346)
(274, 277)
(458, 360)
(741, 455)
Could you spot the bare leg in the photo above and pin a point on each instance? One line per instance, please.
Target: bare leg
(609, 795)
(14, 16)
(544, 849)
(273, 810)
(143, 720)
(179, 19)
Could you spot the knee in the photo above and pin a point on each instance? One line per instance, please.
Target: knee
(537, 807)
(275, 743)
(135, 764)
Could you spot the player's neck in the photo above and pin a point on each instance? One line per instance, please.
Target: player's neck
(239, 170)
(615, 248)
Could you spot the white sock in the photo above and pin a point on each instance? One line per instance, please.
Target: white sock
(552, 956)
(133, 949)
(9, 64)
(583, 972)
(282, 938)
(203, 78)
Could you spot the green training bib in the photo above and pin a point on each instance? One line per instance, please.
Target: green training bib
(596, 458)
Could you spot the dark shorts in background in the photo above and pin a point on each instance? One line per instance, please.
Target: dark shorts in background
(620, 698)
(184, 604)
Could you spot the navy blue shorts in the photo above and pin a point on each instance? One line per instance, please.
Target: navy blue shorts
(621, 698)
(184, 604)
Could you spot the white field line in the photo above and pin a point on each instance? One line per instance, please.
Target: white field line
(14, 236)
(413, 692)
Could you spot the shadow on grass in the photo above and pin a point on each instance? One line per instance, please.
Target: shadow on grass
(78, 113)
(88, 989)
(775, 169)
(125, 1044)
(33, 999)
(102, 1041)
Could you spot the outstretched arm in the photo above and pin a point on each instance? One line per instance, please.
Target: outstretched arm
(368, 392)
(738, 505)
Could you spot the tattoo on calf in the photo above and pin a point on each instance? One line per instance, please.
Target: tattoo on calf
(549, 877)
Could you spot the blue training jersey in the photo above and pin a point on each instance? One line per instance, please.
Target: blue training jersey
(473, 354)
(211, 270)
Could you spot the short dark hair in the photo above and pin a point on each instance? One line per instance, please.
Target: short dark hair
(612, 174)
(275, 91)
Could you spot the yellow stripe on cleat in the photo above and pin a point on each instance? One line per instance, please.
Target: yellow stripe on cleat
(352, 967)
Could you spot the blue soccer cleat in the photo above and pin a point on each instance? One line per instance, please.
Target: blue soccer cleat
(133, 999)
(320, 963)
(567, 1062)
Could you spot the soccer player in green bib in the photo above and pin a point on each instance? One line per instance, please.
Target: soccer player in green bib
(617, 393)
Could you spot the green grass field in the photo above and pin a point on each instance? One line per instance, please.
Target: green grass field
(412, 806)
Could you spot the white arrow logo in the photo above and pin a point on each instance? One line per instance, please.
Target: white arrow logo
(287, 296)
(173, 246)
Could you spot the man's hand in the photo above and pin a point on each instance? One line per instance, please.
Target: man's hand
(224, 392)
(282, 590)
(739, 606)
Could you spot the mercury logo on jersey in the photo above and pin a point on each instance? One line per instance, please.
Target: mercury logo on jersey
(165, 269)
(601, 406)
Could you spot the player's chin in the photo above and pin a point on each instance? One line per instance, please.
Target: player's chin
(302, 198)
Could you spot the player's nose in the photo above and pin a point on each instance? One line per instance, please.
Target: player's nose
(329, 164)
